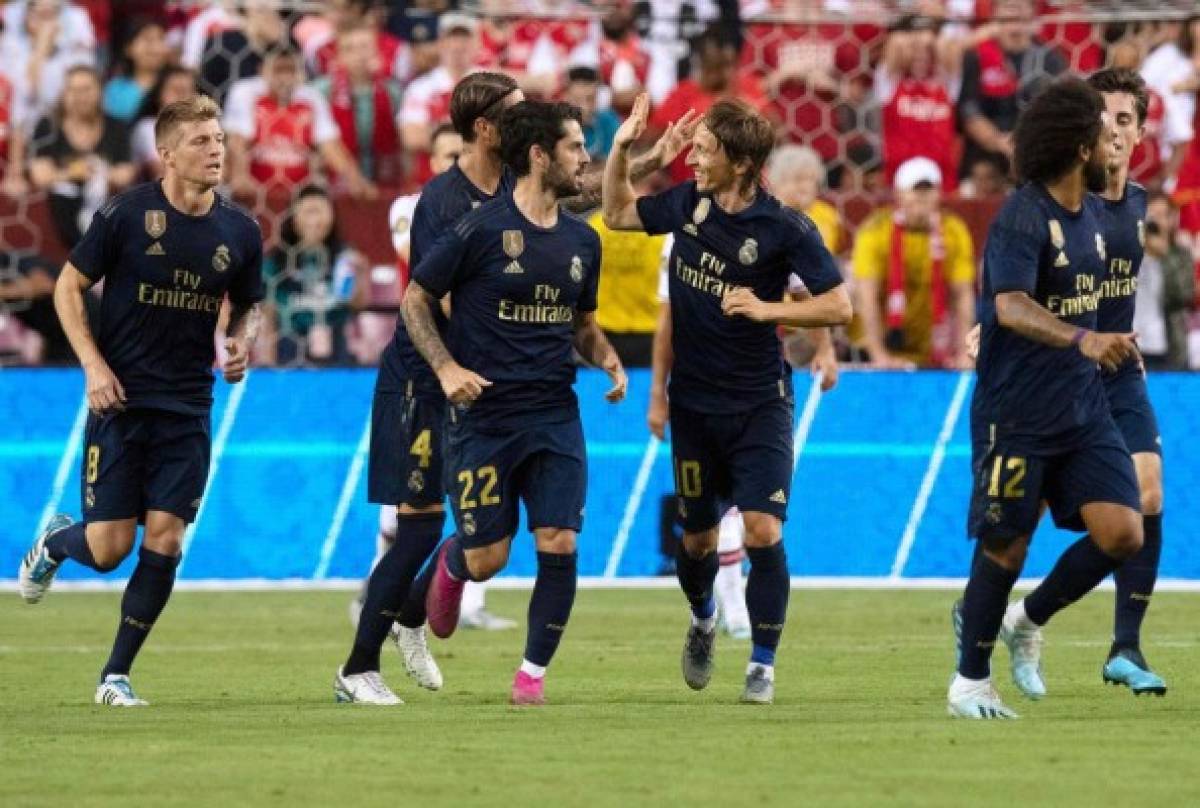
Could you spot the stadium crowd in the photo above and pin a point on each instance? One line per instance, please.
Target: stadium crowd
(894, 124)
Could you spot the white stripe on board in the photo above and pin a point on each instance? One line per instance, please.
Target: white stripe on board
(931, 474)
(231, 409)
(883, 582)
(353, 475)
(632, 505)
(807, 416)
(70, 455)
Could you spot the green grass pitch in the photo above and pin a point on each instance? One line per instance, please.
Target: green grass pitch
(243, 711)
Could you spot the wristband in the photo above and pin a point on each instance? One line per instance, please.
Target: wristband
(1077, 337)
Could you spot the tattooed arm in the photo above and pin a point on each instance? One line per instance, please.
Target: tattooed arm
(460, 385)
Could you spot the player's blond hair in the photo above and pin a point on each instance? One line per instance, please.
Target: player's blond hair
(192, 109)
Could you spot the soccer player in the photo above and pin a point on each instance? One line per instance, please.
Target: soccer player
(169, 253)
(523, 277)
(1040, 425)
(1121, 208)
(730, 392)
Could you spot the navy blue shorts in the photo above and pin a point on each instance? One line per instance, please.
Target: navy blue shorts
(1129, 402)
(544, 466)
(1011, 480)
(722, 460)
(144, 460)
(407, 458)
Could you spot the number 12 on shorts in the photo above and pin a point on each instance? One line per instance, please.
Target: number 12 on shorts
(1012, 469)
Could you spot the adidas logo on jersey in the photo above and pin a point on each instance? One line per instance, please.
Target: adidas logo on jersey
(155, 249)
(1061, 261)
(779, 497)
(513, 268)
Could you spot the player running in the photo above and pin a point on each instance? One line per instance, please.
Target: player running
(1040, 424)
(169, 254)
(730, 391)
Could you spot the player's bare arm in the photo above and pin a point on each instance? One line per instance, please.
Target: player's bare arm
(619, 199)
(460, 385)
(104, 391)
(826, 309)
(662, 358)
(664, 151)
(595, 348)
(1018, 312)
(244, 324)
(824, 361)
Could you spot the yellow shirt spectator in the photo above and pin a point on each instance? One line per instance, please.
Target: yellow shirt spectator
(829, 224)
(627, 298)
(871, 259)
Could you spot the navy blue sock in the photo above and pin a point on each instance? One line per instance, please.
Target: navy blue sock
(983, 605)
(456, 559)
(416, 537)
(1135, 581)
(767, 588)
(550, 605)
(145, 596)
(412, 613)
(696, 578)
(71, 542)
(1078, 570)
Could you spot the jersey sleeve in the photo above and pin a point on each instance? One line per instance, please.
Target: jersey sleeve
(423, 231)
(809, 260)
(239, 109)
(664, 265)
(1014, 247)
(667, 212)
(247, 288)
(444, 266)
(96, 252)
(325, 129)
(591, 287)
(400, 219)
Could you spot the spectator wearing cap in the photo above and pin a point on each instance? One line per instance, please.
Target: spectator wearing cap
(1000, 76)
(238, 53)
(277, 128)
(795, 176)
(915, 96)
(365, 105)
(143, 56)
(599, 125)
(914, 269)
(427, 99)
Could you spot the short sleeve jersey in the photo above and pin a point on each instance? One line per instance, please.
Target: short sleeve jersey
(165, 275)
(1025, 388)
(516, 289)
(731, 364)
(445, 199)
(1124, 225)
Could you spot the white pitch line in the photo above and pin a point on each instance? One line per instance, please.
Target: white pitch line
(349, 486)
(69, 456)
(631, 507)
(807, 416)
(931, 474)
(218, 449)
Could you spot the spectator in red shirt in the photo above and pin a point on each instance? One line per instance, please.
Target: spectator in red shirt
(715, 77)
(917, 109)
(365, 104)
(321, 46)
(623, 62)
(277, 127)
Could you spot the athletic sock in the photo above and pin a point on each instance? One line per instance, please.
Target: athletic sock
(1078, 570)
(71, 542)
(767, 590)
(983, 604)
(696, 578)
(389, 584)
(1135, 581)
(146, 594)
(550, 606)
(456, 560)
(412, 613)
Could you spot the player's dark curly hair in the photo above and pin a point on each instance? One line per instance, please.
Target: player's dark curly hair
(479, 95)
(1061, 118)
(1123, 80)
(533, 123)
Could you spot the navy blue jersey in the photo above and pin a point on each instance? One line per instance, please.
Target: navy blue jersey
(731, 364)
(516, 288)
(1124, 223)
(165, 274)
(1057, 257)
(444, 200)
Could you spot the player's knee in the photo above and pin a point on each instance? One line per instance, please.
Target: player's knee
(1152, 498)
(1121, 538)
(763, 531)
(553, 540)
(484, 562)
(110, 543)
(1008, 553)
(698, 545)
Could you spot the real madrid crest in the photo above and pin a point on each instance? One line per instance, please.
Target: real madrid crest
(702, 209)
(1142, 232)
(221, 259)
(156, 223)
(1100, 247)
(416, 481)
(748, 254)
(1056, 234)
(514, 243)
(576, 269)
(468, 523)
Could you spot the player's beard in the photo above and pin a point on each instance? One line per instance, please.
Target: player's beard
(1095, 175)
(562, 182)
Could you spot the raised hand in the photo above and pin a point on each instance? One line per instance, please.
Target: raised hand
(633, 127)
(677, 137)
